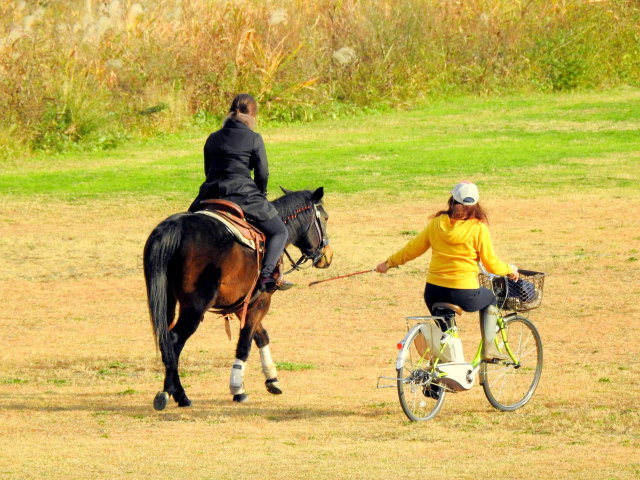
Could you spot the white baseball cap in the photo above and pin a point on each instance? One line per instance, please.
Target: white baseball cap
(466, 193)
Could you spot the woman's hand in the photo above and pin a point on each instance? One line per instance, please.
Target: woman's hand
(514, 275)
(382, 268)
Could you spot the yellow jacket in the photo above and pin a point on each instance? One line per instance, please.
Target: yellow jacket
(457, 248)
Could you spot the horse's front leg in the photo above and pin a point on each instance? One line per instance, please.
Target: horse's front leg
(255, 314)
(236, 382)
(261, 338)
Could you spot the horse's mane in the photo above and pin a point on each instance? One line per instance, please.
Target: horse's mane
(292, 205)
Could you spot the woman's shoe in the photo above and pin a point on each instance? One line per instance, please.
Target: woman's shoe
(267, 284)
(490, 353)
(270, 284)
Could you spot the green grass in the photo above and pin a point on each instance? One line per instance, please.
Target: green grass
(294, 366)
(551, 140)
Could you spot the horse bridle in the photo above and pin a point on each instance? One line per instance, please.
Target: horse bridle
(317, 254)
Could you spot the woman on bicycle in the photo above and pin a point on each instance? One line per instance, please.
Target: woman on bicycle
(459, 238)
(230, 154)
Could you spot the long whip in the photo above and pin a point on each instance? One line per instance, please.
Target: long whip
(342, 276)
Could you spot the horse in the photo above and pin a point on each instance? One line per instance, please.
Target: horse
(194, 261)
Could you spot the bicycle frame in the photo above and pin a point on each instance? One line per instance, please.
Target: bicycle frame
(503, 333)
(453, 332)
(477, 359)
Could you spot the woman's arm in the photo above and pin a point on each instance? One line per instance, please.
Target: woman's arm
(207, 161)
(413, 249)
(260, 165)
(488, 256)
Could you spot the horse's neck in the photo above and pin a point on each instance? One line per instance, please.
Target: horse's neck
(296, 222)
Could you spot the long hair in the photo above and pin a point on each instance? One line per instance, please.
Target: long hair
(458, 211)
(244, 103)
(244, 108)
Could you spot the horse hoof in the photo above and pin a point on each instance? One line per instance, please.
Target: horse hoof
(185, 402)
(240, 398)
(160, 402)
(273, 386)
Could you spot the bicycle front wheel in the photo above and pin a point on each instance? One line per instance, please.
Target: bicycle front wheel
(508, 385)
(421, 399)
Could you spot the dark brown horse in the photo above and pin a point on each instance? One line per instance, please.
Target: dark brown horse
(193, 261)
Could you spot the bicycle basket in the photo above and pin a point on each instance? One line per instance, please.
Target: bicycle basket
(525, 294)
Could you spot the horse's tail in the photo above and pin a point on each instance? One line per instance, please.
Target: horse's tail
(160, 248)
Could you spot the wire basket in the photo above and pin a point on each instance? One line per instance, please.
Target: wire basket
(520, 296)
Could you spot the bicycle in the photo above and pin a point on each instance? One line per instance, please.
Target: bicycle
(430, 361)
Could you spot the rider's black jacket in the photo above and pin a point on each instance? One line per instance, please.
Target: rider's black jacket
(230, 155)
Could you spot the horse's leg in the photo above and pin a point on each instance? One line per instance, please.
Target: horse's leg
(161, 399)
(188, 322)
(261, 338)
(236, 382)
(255, 314)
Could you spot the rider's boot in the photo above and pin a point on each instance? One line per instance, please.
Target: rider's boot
(281, 283)
(488, 328)
(267, 283)
(271, 283)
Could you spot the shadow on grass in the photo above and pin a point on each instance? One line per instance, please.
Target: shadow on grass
(202, 409)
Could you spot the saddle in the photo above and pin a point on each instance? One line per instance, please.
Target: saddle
(448, 311)
(232, 216)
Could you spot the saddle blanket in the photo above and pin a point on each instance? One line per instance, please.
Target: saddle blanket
(232, 228)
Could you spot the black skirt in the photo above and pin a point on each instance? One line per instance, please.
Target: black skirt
(469, 300)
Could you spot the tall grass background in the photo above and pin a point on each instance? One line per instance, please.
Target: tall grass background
(88, 74)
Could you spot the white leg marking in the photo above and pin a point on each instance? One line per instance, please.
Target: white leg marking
(236, 383)
(268, 367)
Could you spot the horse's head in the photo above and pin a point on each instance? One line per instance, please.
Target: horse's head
(306, 221)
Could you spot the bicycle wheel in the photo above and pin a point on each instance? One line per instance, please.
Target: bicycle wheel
(420, 398)
(508, 385)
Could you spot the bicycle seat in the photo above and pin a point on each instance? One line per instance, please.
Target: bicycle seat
(446, 306)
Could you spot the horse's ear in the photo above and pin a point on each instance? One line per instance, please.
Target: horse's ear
(286, 192)
(318, 194)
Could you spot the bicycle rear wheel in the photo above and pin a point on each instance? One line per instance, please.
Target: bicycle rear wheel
(421, 399)
(508, 385)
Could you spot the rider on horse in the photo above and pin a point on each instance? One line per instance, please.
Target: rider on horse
(230, 154)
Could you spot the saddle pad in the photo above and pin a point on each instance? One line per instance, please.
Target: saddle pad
(232, 228)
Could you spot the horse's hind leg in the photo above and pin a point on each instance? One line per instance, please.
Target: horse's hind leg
(188, 322)
(261, 338)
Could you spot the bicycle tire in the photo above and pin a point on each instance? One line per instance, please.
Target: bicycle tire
(509, 386)
(419, 397)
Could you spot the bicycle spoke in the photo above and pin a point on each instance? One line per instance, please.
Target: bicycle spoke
(509, 386)
(418, 398)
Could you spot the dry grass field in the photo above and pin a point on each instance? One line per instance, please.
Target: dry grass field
(78, 369)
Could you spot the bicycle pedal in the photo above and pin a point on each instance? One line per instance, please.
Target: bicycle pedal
(495, 361)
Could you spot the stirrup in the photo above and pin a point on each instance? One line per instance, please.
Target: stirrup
(283, 284)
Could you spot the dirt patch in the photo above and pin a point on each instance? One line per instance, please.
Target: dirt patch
(79, 370)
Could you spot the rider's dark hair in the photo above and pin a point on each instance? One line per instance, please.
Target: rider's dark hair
(458, 211)
(244, 103)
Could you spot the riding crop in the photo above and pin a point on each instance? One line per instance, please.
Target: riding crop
(342, 276)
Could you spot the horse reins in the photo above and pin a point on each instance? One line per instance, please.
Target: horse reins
(318, 253)
(342, 276)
